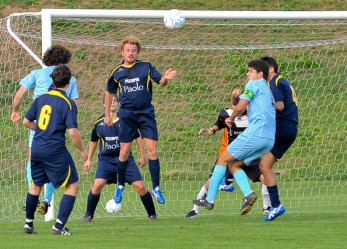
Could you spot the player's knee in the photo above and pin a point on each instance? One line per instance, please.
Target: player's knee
(97, 189)
(140, 187)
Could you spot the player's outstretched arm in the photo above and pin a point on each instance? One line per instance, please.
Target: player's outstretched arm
(91, 150)
(208, 131)
(75, 136)
(170, 74)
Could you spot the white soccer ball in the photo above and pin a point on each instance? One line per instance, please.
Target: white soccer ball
(174, 19)
(113, 207)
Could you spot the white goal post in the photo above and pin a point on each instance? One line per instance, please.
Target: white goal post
(210, 53)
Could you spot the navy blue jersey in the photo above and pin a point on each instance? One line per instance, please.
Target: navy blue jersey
(283, 91)
(54, 112)
(108, 135)
(134, 83)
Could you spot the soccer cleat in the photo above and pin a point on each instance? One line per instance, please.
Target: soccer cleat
(28, 230)
(153, 217)
(118, 197)
(204, 203)
(226, 187)
(43, 207)
(192, 214)
(63, 231)
(158, 195)
(248, 201)
(266, 210)
(274, 212)
(87, 218)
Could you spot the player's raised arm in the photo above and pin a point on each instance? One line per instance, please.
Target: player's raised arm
(170, 74)
(208, 131)
(235, 96)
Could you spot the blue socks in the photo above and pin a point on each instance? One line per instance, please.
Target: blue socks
(65, 208)
(242, 180)
(154, 169)
(147, 202)
(92, 202)
(122, 167)
(49, 191)
(216, 179)
(274, 197)
(30, 206)
(29, 174)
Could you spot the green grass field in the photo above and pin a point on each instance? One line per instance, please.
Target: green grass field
(292, 230)
(302, 226)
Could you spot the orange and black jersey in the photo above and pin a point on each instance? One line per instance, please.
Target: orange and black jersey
(229, 134)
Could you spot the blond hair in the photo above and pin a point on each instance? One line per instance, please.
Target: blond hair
(131, 40)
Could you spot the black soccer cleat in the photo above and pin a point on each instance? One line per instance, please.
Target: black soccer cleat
(63, 231)
(204, 203)
(43, 207)
(192, 214)
(28, 230)
(87, 218)
(248, 202)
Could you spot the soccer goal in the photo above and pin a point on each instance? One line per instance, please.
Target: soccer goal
(210, 53)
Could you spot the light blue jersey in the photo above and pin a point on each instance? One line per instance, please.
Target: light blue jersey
(41, 79)
(261, 110)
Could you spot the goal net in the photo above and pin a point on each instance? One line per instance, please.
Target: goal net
(211, 56)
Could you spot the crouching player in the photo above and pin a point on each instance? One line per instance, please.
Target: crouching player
(106, 173)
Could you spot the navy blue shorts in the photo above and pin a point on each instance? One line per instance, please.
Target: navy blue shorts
(59, 169)
(107, 169)
(131, 121)
(285, 137)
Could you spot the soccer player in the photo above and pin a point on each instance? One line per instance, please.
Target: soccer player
(287, 119)
(257, 139)
(229, 135)
(133, 78)
(106, 172)
(41, 81)
(51, 162)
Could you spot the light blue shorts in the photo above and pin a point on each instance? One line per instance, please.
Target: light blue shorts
(249, 148)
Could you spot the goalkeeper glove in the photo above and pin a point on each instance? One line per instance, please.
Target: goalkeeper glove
(207, 131)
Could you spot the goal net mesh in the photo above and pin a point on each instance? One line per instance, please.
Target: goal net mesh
(211, 58)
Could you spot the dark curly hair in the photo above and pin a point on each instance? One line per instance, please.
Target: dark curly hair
(56, 55)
